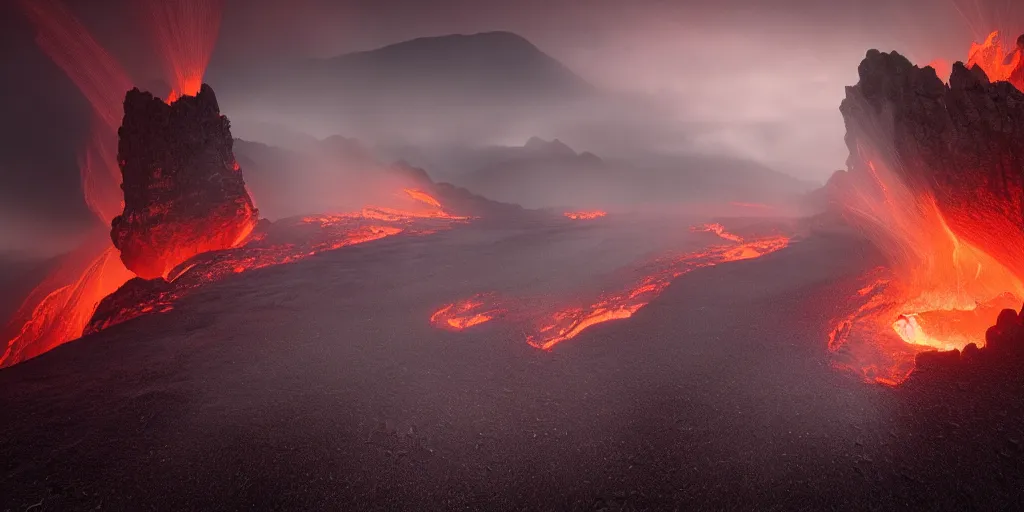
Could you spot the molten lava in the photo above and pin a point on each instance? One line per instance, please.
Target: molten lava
(283, 242)
(586, 215)
(59, 308)
(466, 313)
(79, 296)
(719, 230)
(938, 293)
(935, 183)
(552, 327)
(1000, 62)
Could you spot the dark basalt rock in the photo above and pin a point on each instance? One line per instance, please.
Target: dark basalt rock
(963, 143)
(183, 189)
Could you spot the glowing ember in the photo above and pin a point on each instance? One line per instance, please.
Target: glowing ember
(586, 215)
(552, 328)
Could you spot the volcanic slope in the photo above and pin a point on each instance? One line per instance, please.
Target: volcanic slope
(321, 385)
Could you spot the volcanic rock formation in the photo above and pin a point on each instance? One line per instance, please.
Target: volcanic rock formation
(962, 143)
(183, 189)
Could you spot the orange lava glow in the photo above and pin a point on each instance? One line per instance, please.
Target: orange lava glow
(1000, 62)
(552, 328)
(586, 215)
(943, 68)
(157, 251)
(102, 81)
(423, 197)
(938, 292)
(59, 308)
(465, 313)
(185, 33)
(294, 240)
(719, 230)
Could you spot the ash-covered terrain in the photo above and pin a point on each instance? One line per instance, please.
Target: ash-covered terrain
(454, 273)
(322, 385)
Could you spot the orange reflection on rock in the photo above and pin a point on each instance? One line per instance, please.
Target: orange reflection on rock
(938, 292)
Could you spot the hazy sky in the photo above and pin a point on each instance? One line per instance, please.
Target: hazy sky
(759, 78)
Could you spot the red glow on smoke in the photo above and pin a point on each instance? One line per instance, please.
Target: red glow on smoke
(185, 33)
(67, 42)
(550, 328)
(100, 175)
(102, 81)
(61, 307)
(943, 68)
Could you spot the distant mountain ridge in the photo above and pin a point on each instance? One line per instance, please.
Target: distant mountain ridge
(490, 63)
(488, 68)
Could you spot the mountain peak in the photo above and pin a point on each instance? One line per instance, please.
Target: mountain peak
(553, 148)
(487, 64)
(496, 39)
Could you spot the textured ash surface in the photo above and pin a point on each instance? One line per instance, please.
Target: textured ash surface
(320, 385)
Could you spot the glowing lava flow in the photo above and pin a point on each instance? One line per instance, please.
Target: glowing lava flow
(63, 306)
(552, 328)
(586, 215)
(59, 308)
(466, 313)
(283, 242)
(938, 292)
